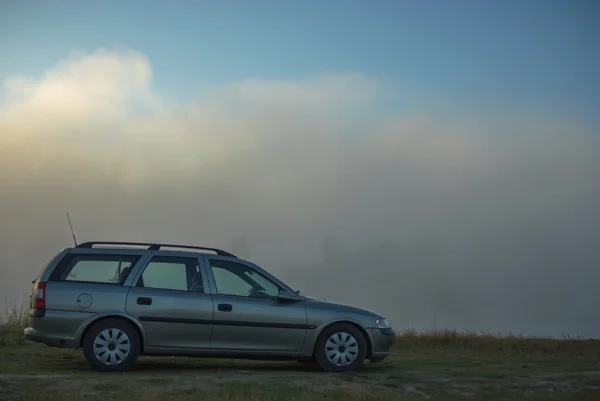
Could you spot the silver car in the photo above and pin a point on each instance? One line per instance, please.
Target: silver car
(119, 300)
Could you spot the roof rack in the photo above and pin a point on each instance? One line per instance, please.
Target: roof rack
(155, 247)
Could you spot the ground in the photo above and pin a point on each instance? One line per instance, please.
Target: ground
(422, 367)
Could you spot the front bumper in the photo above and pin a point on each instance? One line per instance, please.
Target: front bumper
(382, 341)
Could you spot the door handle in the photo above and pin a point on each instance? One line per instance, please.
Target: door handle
(144, 301)
(225, 307)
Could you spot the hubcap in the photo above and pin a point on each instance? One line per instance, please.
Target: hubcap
(341, 349)
(112, 346)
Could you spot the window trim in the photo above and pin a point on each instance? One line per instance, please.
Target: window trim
(257, 270)
(60, 267)
(138, 275)
(217, 288)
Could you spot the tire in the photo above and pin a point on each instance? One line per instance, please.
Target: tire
(111, 345)
(335, 347)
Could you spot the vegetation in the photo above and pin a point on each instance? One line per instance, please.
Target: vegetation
(435, 365)
(12, 323)
(483, 343)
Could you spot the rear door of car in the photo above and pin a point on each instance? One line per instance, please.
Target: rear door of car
(170, 299)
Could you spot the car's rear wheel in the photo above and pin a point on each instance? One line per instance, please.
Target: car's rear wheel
(341, 347)
(111, 345)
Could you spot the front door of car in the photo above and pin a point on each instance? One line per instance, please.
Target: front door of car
(170, 299)
(247, 315)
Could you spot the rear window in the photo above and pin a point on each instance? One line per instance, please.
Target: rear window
(37, 278)
(94, 268)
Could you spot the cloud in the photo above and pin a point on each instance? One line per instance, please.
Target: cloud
(87, 85)
(469, 219)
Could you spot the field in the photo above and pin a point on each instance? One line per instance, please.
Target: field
(437, 365)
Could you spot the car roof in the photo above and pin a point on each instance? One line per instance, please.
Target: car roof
(152, 246)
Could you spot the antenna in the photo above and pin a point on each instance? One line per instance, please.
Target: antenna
(72, 232)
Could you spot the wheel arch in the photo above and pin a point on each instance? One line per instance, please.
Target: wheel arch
(357, 325)
(134, 323)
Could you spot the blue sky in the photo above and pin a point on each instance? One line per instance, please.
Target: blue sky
(540, 55)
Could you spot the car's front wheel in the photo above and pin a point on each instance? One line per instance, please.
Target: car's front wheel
(111, 345)
(341, 348)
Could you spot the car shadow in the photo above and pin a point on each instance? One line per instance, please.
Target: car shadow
(183, 364)
(64, 361)
(158, 365)
(229, 365)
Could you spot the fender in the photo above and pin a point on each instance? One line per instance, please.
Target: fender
(313, 335)
(86, 324)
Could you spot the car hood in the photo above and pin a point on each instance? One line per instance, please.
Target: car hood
(341, 306)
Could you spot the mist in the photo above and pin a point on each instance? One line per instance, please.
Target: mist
(451, 216)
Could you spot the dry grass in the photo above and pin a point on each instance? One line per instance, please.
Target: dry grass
(35, 372)
(12, 322)
(433, 365)
(451, 340)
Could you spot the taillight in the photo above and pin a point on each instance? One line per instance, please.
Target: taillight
(39, 296)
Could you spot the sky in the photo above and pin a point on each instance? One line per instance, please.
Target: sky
(438, 161)
(539, 54)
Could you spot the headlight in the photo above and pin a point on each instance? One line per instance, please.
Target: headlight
(382, 324)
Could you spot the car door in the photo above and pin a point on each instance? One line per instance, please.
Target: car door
(247, 317)
(169, 297)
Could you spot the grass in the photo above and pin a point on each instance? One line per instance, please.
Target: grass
(12, 323)
(434, 365)
(451, 340)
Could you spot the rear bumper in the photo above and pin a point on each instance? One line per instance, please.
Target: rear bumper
(54, 328)
(381, 343)
(32, 334)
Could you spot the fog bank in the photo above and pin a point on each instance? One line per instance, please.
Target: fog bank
(474, 220)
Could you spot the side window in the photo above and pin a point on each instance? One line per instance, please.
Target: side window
(172, 273)
(230, 283)
(94, 268)
(237, 279)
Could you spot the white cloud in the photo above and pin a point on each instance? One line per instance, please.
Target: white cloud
(84, 85)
